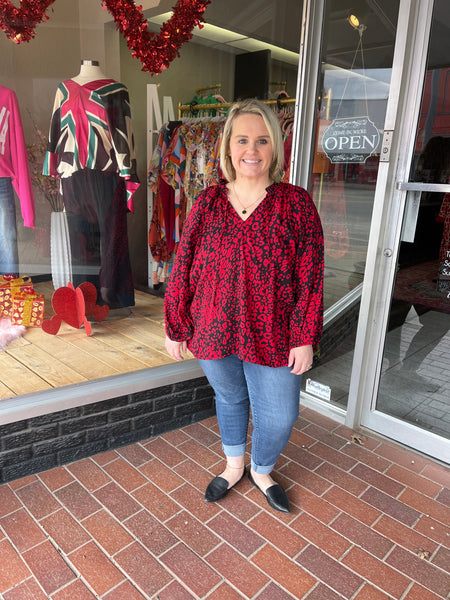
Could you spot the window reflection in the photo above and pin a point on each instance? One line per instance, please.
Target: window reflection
(353, 90)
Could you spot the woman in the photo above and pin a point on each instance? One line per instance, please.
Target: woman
(245, 296)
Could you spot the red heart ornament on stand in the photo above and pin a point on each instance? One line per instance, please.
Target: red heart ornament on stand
(90, 296)
(19, 24)
(69, 305)
(90, 300)
(52, 325)
(156, 52)
(73, 306)
(100, 312)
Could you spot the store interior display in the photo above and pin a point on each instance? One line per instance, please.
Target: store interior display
(186, 161)
(93, 224)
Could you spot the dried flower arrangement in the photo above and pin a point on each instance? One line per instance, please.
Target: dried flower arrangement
(48, 186)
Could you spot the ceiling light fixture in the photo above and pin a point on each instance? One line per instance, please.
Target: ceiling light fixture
(353, 20)
(356, 24)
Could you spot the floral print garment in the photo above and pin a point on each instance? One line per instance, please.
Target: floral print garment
(252, 288)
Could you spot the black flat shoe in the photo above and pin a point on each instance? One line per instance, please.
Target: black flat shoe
(275, 495)
(218, 488)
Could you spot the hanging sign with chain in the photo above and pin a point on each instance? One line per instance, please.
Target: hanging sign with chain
(351, 140)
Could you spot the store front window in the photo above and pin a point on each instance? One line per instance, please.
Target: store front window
(94, 229)
(353, 89)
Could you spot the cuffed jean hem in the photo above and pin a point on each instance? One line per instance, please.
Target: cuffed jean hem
(262, 469)
(238, 450)
(231, 451)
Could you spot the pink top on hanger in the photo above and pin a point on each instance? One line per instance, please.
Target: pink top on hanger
(13, 153)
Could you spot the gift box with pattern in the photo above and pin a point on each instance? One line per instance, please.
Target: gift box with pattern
(27, 309)
(11, 287)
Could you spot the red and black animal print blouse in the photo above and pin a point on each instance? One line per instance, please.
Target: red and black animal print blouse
(253, 288)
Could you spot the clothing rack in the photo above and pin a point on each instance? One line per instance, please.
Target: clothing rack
(215, 86)
(189, 108)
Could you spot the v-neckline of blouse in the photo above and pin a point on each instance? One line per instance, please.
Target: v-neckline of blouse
(86, 83)
(236, 213)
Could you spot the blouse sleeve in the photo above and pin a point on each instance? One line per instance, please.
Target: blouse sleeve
(118, 110)
(21, 178)
(180, 292)
(51, 156)
(307, 317)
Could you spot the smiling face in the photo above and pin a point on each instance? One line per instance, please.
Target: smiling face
(251, 148)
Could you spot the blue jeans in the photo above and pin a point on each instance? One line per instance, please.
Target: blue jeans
(274, 397)
(9, 255)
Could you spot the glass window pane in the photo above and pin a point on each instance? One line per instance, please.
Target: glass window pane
(107, 243)
(354, 81)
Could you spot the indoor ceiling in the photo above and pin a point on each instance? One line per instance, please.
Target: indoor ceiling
(278, 22)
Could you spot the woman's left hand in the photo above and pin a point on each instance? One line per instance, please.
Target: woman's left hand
(176, 349)
(301, 359)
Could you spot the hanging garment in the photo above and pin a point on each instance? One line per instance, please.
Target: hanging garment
(184, 162)
(161, 237)
(201, 158)
(91, 129)
(96, 217)
(9, 256)
(200, 100)
(13, 154)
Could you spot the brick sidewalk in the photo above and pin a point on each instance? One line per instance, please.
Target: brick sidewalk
(370, 521)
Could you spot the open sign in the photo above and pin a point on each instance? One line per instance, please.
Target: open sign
(351, 140)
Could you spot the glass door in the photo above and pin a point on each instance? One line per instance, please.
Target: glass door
(351, 96)
(411, 399)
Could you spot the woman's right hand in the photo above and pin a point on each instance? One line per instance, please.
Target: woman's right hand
(175, 349)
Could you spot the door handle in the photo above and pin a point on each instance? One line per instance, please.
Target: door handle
(411, 214)
(414, 191)
(413, 186)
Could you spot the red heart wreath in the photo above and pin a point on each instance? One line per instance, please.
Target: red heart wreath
(19, 23)
(156, 54)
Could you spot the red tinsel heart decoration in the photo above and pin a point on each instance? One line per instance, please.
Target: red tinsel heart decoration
(19, 24)
(156, 53)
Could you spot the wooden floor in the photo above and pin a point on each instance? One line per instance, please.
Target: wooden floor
(120, 344)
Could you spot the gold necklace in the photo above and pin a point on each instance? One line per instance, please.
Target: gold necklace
(245, 208)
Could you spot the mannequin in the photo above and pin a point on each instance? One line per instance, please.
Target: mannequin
(89, 71)
(91, 149)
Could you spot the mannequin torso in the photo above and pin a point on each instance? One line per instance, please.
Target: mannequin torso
(89, 71)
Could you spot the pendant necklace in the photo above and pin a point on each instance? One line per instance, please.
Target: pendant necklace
(245, 208)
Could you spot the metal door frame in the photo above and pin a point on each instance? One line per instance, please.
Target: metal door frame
(410, 57)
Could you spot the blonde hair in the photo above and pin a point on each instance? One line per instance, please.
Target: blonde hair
(254, 107)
